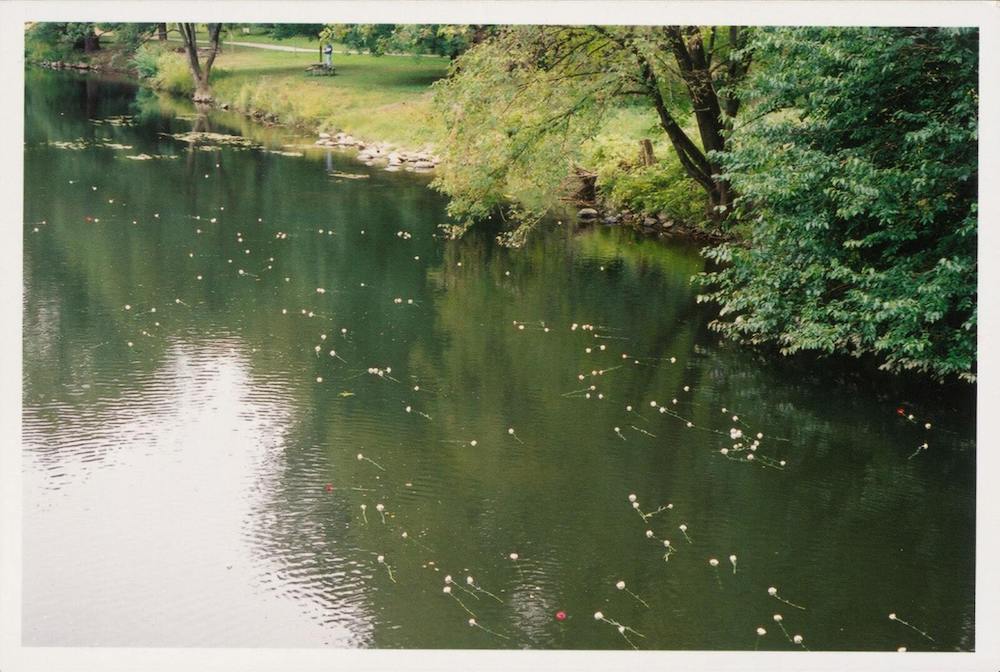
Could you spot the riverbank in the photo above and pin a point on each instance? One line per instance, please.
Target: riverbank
(383, 106)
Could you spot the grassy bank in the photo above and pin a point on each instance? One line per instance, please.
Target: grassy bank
(390, 99)
(384, 98)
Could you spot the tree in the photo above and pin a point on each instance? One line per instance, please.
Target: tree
(438, 39)
(518, 105)
(201, 72)
(372, 38)
(857, 182)
(381, 38)
(130, 35)
(58, 38)
(283, 31)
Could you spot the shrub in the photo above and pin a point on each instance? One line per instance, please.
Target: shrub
(146, 61)
(46, 41)
(172, 74)
(861, 196)
(663, 187)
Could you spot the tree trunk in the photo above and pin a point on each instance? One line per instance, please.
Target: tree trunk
(721, 201)
(646, 157)
(695, 68)
(689, 52)
(479, 33)
(200, 74)
(91, 43)
(161, 32)
(202, 91)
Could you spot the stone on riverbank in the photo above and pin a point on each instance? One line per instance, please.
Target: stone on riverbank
(381, 152)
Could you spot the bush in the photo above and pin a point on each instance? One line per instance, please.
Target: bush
(46, 41)
(663, 187)
(172, 74)
(130, 36)
(861, 195)
(146, 61)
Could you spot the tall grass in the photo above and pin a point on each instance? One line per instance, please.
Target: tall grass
(172, 74)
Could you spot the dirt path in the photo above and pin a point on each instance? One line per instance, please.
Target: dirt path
(297, 50)
(272, 47)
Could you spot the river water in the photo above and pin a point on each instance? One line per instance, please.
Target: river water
(194, 409)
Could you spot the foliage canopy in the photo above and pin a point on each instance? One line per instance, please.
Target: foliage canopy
(383, 38)
(857, 188)
(520, 105)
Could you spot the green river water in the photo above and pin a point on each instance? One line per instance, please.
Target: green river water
(194, 408)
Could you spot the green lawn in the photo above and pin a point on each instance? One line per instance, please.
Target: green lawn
(372, 97)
